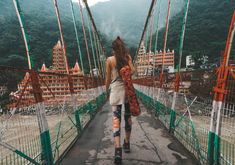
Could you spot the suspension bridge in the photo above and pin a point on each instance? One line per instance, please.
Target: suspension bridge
(60, 114)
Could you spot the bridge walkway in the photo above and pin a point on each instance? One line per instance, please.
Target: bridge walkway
(150, 143)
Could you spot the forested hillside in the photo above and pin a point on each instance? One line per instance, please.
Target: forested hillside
(116, 17)
(206, 31)
(127, 17)
(42, 27)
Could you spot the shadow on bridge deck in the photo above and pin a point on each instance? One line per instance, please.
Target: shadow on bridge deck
(150, 143)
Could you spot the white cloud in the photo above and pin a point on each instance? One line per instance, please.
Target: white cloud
(92, 2)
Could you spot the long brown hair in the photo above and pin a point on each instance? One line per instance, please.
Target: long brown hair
(120, 52)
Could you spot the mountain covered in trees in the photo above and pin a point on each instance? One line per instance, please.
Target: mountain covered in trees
(127, 18)
(126, 15)
(42, 28)
(206, 32)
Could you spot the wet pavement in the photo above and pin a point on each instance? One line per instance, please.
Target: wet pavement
(150, 143)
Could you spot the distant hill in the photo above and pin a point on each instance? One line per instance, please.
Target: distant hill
(42, 27)
(127, 18)
(115, 17)
(206, 31)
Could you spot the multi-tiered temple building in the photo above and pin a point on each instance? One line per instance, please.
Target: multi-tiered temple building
(53, 80)
(148, 61)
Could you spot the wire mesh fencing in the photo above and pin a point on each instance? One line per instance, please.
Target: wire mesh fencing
(43, 114)
(189, 118)
(227, 128)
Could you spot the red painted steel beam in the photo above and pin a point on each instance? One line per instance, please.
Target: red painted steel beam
(223, 71)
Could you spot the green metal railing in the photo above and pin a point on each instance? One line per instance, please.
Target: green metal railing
(190, 121)
(73, 125)
(21, 142)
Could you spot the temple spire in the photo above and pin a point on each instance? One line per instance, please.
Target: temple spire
(77, 67)
(59, 62)
(43, 68)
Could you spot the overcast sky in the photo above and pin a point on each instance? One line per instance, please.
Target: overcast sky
(93, 2)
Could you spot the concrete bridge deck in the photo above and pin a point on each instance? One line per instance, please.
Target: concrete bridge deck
(150, 143)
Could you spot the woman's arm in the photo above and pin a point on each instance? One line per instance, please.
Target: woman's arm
(108, 75)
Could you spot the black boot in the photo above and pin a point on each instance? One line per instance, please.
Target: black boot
(126, 147)
(118, 156)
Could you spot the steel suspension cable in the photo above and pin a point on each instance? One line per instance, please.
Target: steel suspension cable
(177, 78)
(151, 34)
(99, 49)
(96, 48)
(183, 32)
(165, 41)
(93, 23)
(148, 42)
(145, 27)
(147, 51)
(157, 30)
(142, 57)
(99, 44)
(84, 33)
(146, 39)
(76, 33)
(151, 27)
(229, 42)
(155, 45)
(91, 39)
(101, 58)
(61, 34)
(20, 16)
(97, 54)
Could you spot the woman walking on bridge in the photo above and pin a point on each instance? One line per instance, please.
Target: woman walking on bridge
(117, 97)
